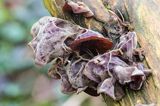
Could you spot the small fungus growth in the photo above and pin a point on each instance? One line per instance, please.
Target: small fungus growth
(78, 8)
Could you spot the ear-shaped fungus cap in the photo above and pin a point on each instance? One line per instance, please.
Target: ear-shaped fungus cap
(128, 44)
(110, 87)
(58, 71)
(98, 68)
(91, 40)
(78, 8)
(51, 37)
(131, 75)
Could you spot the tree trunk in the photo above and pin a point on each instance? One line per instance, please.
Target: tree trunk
(145, 17)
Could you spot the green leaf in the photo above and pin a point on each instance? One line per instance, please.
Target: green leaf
(51, 7)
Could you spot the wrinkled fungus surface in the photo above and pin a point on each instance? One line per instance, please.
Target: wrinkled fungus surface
(91, 40)
(78, 8)
(84, 59)
(51, 37)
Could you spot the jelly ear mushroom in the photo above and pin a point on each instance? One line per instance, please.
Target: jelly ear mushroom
(51, 36)
(91, 40)
(78, 8)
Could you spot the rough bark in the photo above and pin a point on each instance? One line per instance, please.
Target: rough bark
(144, 16)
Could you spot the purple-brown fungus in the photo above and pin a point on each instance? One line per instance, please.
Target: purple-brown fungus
(57, 71)
(51, 37)
(109, 68)
(91, 40)
(85, 60)
(78, 8)
(111, 88)
(128, 44)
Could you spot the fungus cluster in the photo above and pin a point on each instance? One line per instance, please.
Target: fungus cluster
(84, 59)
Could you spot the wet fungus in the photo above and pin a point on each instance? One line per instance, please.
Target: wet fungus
(50, 38)
(91, 40)
(84, 59)
(78, 8)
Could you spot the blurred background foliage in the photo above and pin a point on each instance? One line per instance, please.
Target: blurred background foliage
(22, 83)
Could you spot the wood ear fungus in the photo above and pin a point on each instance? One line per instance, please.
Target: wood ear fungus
(78, 8)
(93, 41)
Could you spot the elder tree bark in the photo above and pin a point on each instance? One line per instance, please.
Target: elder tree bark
(144, 16)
